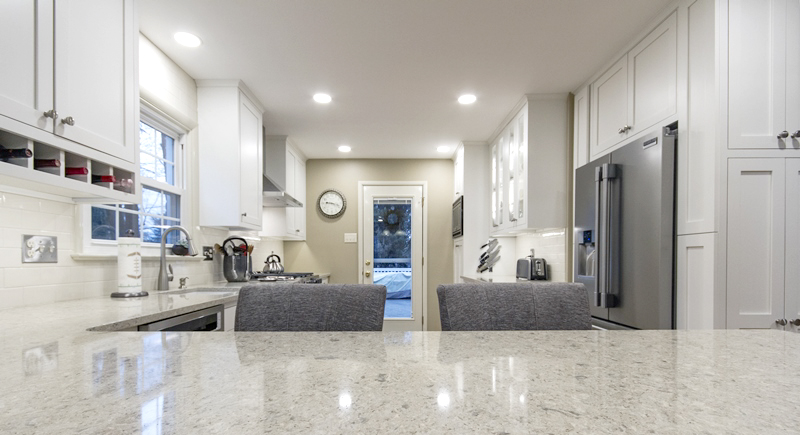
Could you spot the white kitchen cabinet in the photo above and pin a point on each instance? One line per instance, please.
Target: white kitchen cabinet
(458, 172)
(530, 168)
(230, 155)
(763, 74)
(69, 69)
(697, 155)
(638, 91)
(609, 115)
(475, 170)
(792, 277)
(229, 318)
(694, 282)
(580, 127)
(286, 167)
(756, 238)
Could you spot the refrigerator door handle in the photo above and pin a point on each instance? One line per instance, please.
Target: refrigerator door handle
(607, 299)
(599, 237)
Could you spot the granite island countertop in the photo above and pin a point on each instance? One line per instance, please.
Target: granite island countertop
(744, 382)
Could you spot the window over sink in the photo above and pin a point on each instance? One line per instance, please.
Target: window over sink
(161, 164)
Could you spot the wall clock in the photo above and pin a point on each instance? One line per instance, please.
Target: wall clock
(331, 203)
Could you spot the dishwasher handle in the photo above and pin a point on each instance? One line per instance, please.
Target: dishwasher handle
(200, 320)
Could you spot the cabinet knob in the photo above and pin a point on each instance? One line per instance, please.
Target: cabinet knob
(244, 214)
(781, 322)
(621, 130)
(297, 231)
(624, 129)
(795, 322)
(68, 120)
(783, 135)
(366, 274)
(796, 135)
(51, 114)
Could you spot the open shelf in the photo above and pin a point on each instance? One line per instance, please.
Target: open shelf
(51, 178)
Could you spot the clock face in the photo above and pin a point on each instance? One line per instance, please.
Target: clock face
(331, 203)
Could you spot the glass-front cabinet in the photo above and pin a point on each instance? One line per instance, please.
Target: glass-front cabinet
(529, 168)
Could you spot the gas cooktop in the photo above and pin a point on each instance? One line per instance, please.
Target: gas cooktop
(285, 276)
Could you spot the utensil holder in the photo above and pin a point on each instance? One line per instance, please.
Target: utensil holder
(236, 268)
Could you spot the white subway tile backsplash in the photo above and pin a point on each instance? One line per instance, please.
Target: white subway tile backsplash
(549, 244)
(11, 297)
(39, 295)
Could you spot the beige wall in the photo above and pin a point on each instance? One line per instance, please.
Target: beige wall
(324, 249)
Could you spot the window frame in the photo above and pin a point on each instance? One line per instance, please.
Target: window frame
(179, 133)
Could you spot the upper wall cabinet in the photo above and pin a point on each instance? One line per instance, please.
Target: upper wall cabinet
(638, 91)
(763, 74)
(529, 167)
(580, 132)
(230, 155)
(69, 69)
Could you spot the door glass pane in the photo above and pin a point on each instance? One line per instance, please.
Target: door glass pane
(392, 254)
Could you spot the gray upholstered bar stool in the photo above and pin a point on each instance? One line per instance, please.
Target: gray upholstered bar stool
(310, 307)
(513, 306)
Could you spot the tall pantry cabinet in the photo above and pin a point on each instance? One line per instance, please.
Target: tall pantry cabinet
(762, 156)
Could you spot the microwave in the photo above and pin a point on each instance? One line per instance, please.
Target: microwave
(458, 217)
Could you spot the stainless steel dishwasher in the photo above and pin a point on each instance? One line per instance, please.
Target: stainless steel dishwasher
(209, 319)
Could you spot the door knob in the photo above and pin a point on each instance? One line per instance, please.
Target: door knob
(795, 322)
(68, 120)
(781, 322)
(366, 274)
(783, 135)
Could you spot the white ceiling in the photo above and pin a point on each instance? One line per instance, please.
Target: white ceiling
(394, 67)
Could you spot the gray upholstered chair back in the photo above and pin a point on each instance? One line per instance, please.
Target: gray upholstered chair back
(310, 307)
(513, 306)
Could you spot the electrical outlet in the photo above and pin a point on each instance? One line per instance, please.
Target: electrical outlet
(39, 249)
(351, 237)
(208, 253)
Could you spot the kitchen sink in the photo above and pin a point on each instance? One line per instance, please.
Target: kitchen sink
(211, 291)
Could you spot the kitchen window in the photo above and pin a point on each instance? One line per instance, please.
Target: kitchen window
(161, 160)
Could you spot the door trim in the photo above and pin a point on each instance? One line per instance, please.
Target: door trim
(424, 185)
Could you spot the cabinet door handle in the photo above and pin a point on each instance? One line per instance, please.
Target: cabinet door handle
(796, 135)
(68, 120)
(781, 322)
(51, 114)
(783, 135)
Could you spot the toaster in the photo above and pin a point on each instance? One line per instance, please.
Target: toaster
(531, 268)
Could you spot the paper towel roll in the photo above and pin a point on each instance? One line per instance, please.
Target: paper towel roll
(129, 264)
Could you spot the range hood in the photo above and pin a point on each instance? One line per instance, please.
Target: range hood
(274, 196)
(276, 158)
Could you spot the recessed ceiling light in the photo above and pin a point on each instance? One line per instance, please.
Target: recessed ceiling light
(467, 99)
(187, 39)
(344, 149)
(443, 148)
(322, 98)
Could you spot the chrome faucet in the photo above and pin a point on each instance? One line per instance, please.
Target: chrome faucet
(164, 277)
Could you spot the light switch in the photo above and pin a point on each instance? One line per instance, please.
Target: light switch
(351, 237)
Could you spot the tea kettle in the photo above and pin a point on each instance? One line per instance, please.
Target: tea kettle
(273, 264)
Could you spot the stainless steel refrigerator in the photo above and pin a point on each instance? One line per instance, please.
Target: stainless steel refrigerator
(624, 253)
